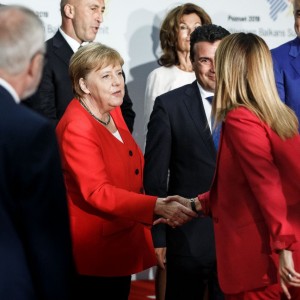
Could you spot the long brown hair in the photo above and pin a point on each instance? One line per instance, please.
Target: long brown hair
(170, 28)
(245, 77)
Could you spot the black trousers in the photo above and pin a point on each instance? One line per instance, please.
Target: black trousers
(102, 288)
(188, 279)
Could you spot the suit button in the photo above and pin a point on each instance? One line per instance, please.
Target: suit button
(130, 153)
(216, 220)
(141, 190)
(136, 171)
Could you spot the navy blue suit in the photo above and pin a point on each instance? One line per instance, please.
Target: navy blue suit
(179, 143)
(35, 245)
(55, 90)
(286, 59)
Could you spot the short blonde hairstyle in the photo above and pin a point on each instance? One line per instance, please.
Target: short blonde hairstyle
(91, 57)
(245, 77)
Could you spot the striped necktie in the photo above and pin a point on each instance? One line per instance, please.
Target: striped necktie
(216, 131)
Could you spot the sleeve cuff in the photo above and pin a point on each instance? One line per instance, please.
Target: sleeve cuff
(284, 242)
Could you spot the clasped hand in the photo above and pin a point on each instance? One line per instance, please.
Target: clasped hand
(174, 211)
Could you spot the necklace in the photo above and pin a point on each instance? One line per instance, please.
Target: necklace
(90, 112)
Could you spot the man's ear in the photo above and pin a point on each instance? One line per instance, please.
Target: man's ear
(69, 11)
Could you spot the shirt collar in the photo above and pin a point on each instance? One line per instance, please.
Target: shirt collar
(72, 43)
(10, 89)
(204, 94)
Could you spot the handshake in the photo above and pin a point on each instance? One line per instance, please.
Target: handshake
(176, 210)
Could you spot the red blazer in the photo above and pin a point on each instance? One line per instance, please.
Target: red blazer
(103, 177)
(254, 201)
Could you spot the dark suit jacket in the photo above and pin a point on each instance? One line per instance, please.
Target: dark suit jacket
(35, 244)
(179, 141)
(286, 60)
(55, 90)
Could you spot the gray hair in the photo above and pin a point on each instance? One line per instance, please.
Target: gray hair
(21, 37)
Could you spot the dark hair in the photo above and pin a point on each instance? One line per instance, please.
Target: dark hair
(206, 33)
(170, 28)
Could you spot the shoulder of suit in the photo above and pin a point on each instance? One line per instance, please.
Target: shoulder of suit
(284, 48)
(183, 90)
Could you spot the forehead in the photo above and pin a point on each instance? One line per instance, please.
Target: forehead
(297, 4)
(192, 17)
(206, 49)
(99, 3)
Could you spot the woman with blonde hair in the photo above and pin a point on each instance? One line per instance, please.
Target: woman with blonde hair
(255, 196)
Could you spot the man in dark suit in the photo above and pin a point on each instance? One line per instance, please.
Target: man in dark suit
(35, 244)
(286, 60)
(180, 159)
(81, 21)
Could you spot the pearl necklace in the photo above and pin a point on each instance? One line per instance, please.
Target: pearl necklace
(90, 112)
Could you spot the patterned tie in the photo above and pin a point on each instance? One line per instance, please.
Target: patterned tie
(217, 130)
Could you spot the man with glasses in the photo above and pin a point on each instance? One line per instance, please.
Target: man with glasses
(180, 159)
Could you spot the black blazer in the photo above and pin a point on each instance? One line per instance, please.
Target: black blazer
(55, 90)
(35, 244)
(179, 141)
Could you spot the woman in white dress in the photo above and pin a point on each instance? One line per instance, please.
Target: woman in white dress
(176, 68)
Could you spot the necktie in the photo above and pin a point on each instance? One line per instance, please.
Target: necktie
(216, 131)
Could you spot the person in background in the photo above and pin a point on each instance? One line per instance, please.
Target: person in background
(111, 217)
(81, 20)
(180, 159)
(176, 68)
(286, 60)
(175, 71)
(255, 196)
(35, 253)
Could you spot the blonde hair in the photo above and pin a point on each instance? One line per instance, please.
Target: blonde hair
(93, 56)
(245, 77)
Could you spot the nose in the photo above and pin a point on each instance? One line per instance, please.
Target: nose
(100, 17)
(117, 79)
(212, 65)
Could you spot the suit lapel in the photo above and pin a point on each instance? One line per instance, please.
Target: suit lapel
(61, 48)
(195, 108)
(295, 53)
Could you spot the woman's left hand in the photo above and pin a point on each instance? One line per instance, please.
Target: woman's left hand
(287, 273)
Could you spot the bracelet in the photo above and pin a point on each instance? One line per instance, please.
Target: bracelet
(193, 205)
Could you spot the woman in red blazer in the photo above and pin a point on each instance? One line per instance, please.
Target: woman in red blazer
(103, 171)
(255, 196)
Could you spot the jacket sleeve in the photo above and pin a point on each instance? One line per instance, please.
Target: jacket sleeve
(44, 220)
(157, 158)
(248, 139)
